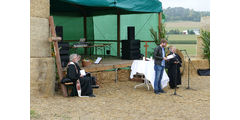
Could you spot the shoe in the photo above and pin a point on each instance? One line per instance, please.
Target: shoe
(95, 86)
(156, 92)
(92, 95)
(162, 91)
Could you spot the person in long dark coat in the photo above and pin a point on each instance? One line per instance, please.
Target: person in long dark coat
(174, 65)
(74, 74)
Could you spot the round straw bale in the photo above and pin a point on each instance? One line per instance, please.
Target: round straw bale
(39, 34)
(42, 76)
(40, 8)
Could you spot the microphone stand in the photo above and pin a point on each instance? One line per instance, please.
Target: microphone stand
(189, 61)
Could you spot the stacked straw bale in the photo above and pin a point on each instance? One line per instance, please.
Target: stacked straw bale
(104, 76)
(42, 65)
(205, 23)
(199, 47)
(42, 76)
(110, 76)
(40, 8)
(39, 34)
(198, 64)
(123, 75)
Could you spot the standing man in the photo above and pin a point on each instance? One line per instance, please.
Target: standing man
(159, 65)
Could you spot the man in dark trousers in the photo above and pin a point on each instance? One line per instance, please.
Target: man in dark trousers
(159, 65)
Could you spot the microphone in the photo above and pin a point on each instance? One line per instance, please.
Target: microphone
(183, 50)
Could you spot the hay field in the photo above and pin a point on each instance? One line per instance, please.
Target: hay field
(120, 101)
(182, 25)
(182, 37)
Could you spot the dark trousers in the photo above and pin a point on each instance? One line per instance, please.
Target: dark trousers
(86, 88)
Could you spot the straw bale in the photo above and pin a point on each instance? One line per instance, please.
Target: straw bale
(40, 8)
(99, 68)
(199, 47)
(104, 76)
(180, 54)
(205, 23)
(123, 75)
(198, 64)
(39, 44)
(42, 76)
(110, 76)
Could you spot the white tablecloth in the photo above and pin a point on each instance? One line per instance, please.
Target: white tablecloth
(147, 68)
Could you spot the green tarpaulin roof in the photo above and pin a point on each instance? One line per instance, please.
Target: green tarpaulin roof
(103, 7)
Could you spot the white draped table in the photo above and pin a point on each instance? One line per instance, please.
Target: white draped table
(147, 68)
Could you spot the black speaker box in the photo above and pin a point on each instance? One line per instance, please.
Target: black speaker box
(59, 31)
(130, 44)
(130, 55)
(131, 33)
(64, 63)
(64, 60)
(64, 52)
(63, 45)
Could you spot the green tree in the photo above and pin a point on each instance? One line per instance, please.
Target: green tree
(183, 14)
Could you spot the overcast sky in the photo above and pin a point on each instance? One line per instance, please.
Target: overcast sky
(198, 5)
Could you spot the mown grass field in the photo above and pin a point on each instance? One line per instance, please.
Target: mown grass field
(190, 48)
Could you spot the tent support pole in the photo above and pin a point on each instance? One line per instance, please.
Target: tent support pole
(159, 24)
(85, 32)
(118, 34)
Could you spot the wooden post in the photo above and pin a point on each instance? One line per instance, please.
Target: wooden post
(118, 34)
(146, 46)
(159, 24)
(85, 32)
(57, 55)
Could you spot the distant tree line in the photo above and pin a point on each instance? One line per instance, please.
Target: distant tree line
(176, 31)
(183, 14)
(191, 32)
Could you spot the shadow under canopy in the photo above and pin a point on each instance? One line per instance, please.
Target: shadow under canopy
(105, 7)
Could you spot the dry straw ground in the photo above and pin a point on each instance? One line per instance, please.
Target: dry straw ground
(120, 101)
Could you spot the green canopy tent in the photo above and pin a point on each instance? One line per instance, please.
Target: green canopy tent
(88, 8)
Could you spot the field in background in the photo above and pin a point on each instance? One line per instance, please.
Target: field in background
(181, 37)
(187, 42)
(190, 48)
(182, 25)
